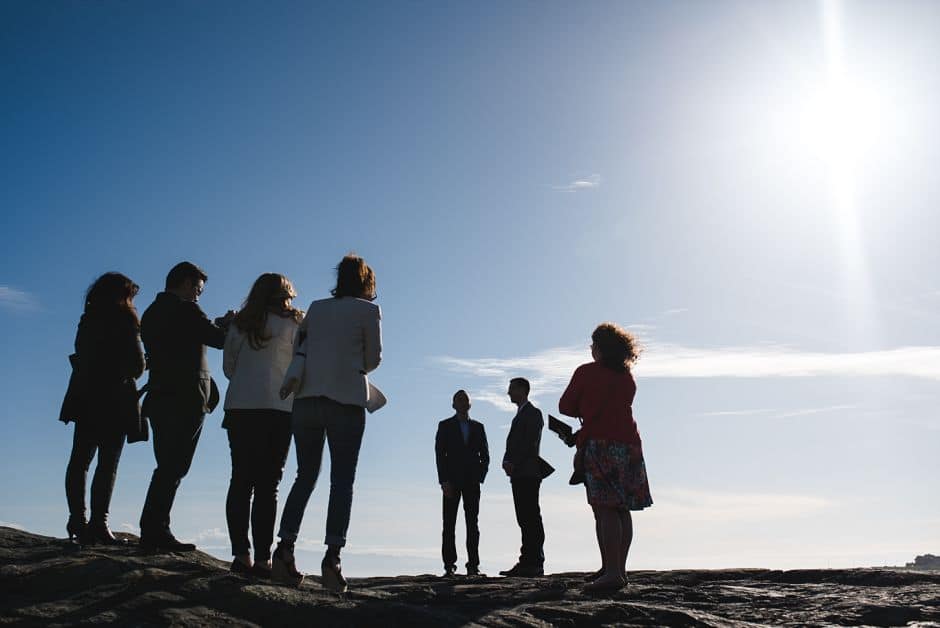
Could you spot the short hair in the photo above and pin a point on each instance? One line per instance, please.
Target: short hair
(183, 271)
(618, 348)
(522, 383)
(354, 278)
(461, 392)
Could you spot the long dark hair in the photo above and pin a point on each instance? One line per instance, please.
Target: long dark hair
(619, 348)
(112, 293)
(271, 293)
(354, 278)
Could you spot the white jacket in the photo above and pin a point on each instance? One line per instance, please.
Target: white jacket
(255, 375)
(339, 342)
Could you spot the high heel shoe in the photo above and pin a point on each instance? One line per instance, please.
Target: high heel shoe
(332, 574)
(76, 529)
(284, 567)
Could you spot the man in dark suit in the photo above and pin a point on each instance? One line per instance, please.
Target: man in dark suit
(463, 459)
(526, 470)
(175, 332)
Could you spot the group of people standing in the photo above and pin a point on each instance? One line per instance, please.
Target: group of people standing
(304, 377)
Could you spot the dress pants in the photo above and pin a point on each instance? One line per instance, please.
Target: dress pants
(471, 511)
(108, 441)
(525, 497)
(174, 442)
(341, 425)
(259, 441)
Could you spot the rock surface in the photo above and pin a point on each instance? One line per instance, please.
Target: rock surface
(47, 581)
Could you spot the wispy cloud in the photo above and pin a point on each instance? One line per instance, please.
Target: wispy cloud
(15, 526)
(17, 300)
(580, 184)
(550, 370)
(777, 414)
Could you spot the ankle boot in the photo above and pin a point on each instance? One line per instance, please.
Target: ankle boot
(332, 573)
(283, 565)
(76, 528)
(99, 532)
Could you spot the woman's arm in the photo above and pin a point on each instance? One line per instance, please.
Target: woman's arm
(570, 402)
(372, 342)
(234, 340)
(295, 372)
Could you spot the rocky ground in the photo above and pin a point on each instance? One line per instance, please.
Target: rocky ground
(47, 581)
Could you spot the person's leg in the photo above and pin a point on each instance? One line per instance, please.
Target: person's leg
(110, 445)
(273, 445)
(609, 541)
(174, 444)
(626, 539)
(76, 473)
(308, 435)
(538, 529)
(526, 492)
(449, 533)
(345, 425)
(519, 504)
(242, 441)
(471, 513)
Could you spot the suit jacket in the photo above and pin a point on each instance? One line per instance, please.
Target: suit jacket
(338, 343)
(522, 444)
(458, 462)
(175, 334)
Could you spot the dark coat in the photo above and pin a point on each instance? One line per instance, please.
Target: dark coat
(108, 359)
(175, 334)
(522, 444)
(458, 462)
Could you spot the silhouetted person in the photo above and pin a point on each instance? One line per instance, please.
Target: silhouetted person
(526, 470)
(176, 332)
(258, 350)
(601, 394)
(102, 400)
(339, 342)
(463, 459)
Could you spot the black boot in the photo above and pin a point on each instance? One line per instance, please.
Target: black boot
(99, 532)
(76, 529)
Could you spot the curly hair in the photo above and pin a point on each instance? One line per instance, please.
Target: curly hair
(269, 295)
(618, 348)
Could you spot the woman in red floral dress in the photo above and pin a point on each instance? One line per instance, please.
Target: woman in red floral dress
(601, 394)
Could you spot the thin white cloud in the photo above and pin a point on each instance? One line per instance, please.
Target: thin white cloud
(737, 412)
(550, 370)
(580, 184)
(17, 300)
(675, 310)
(812, 411)
(15, 526)
(777, 414)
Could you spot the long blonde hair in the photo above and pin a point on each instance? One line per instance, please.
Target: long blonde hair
(270, 294)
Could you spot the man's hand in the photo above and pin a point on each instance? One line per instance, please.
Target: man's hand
(225, 321)
(290, 387)
(448, 490)
(507, 467)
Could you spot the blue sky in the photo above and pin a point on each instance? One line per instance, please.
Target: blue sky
(749, 187)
